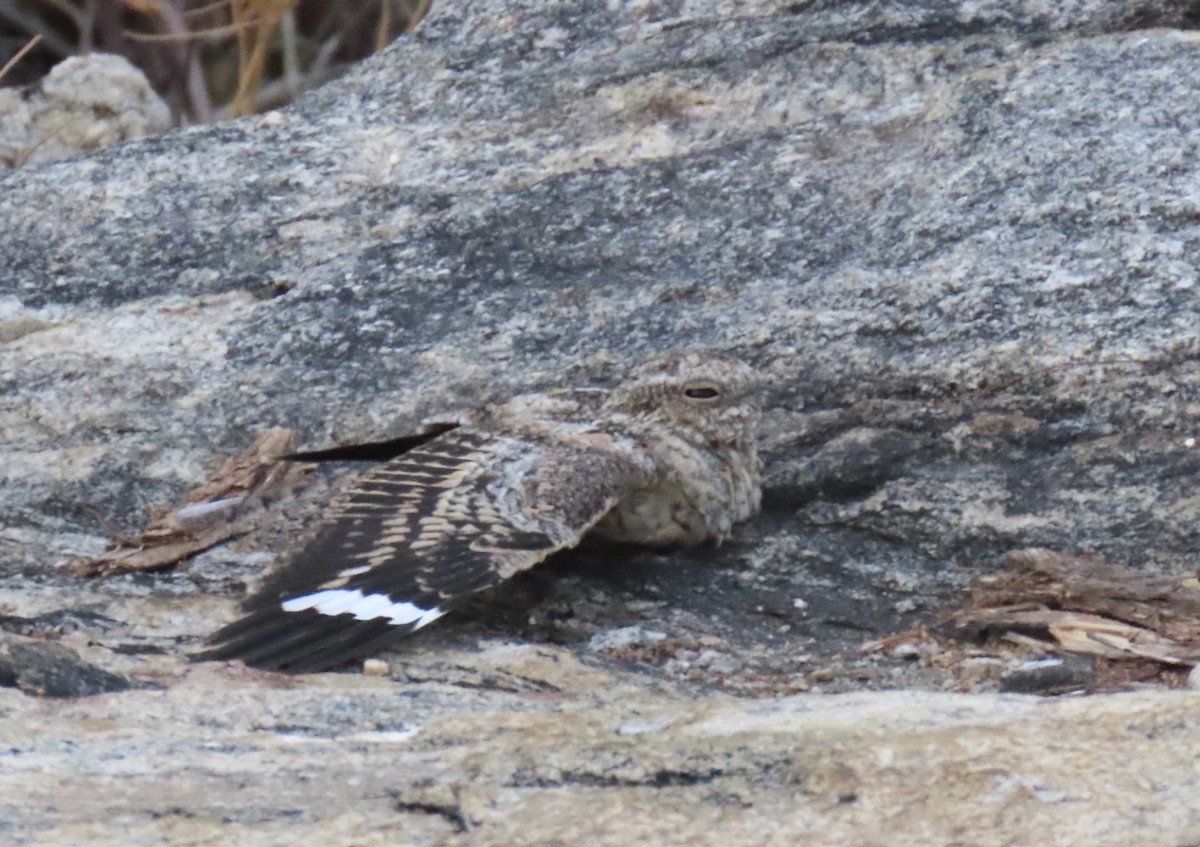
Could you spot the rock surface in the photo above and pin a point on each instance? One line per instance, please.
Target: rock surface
(85, 102)
(960, 237)
(514, 744)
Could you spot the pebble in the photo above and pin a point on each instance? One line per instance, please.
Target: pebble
(375, 667)
(626, 636)
(1051, 675)
(715, 661)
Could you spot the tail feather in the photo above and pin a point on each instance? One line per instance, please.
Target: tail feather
(298, 642)
(339, 650)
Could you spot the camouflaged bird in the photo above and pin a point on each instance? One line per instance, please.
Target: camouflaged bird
(666, 458)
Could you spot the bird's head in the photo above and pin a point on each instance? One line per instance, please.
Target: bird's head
(711, 393)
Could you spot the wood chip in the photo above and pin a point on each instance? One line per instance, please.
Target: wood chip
(210, 514)
(1077, 604)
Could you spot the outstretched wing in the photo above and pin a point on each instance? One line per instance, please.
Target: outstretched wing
(414, 537)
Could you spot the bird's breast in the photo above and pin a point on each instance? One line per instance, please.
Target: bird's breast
(698, 497)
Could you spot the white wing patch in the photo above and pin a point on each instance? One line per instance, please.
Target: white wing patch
(364, 607)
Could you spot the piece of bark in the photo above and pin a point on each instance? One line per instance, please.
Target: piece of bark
(1079, 605)
(210, 514)
(1075, 632)
(1085, 584)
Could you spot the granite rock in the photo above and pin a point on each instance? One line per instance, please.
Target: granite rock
(960, 238)
(83, 103)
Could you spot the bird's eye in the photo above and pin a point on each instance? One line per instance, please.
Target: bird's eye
(702, 392)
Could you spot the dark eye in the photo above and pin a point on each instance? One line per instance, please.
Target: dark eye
(702, 392)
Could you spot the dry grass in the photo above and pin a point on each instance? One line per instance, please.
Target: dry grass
(18, 56)
(209, 59)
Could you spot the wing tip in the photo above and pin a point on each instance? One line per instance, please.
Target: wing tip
(304, 641)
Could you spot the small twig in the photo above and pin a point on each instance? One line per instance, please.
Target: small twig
(205, 9)
(188, 60)
(288, 37)
(29, 45)
(251, 71)
(417, 14)
(272, 95)
(87, 26)
(187, 36)
(328, 50)
(27, 153)
(384, 29)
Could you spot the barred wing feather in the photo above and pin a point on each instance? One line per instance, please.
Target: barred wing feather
(414, 537)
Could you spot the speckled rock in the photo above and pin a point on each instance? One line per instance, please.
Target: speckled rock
(51, 670)
(961, 239)
(85, 102)
(519, 744)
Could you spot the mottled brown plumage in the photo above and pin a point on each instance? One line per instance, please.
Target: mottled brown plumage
(667, 457)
